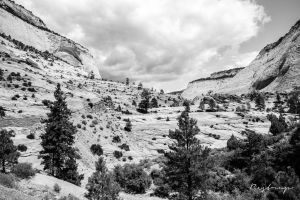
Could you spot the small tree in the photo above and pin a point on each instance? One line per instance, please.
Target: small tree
(58, 155)
(187, 162)
(260, 102)
(154, 103)
(128, 126)
(134, 103)
(162, 91)
(127, 81)
(101, 185)
(140, 86)
(277, 125)
(92, 75)
(145, 103)
(186, 104)
(2, 112)
(8, 151)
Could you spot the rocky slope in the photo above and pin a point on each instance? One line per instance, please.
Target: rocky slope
(203, 85)
(23, 26)
(276, 68)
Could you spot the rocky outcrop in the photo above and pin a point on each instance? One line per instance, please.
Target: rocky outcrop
(23, 26)
(275, 69)
(203, 85)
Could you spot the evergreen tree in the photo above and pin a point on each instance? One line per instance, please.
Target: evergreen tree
(119, 109)
(277, 125)
(294, 103)
(140, 86)
(134, 103)
(127, 81)
(128, 126)
(58, 154)
(260, 102)
(154, 103)
(8, 151)
(162, 91)
(187, 162)
(101, 185)
(2, 112)
(186, 104)
(144, 105)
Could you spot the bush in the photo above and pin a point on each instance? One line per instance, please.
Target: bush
(22, 147)
(132, 178)
(46, 102)
(116, 139)
(89, 116)
(118, 154)
(31, 89)
(124, 147)
(128, 126)
(23, 170)
(56, 188)
(7, 180)
(69, 197)
(84, 122)
(31, 136)
(96, 149)
(162, 191)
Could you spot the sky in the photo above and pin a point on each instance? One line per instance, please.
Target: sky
(167, 43)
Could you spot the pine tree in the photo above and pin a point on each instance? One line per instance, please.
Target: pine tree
(186, 104)
(2, 112)
(8, 151)
(260, 102)
(101, 185)
(140, 86)
(58, 154)
(134, 103)
(154, 103)
(127, 81)
(144, 105)
(187, 162)
(128, 126)
(162, 91)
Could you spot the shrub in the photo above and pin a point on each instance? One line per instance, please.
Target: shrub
(118, 154)
(69, 197)
(168, 119)
(124, 147)
(96, 149)
(95, 122)
(89, 116)
(7, 180)
(128, 126)
(56, 188)
(116, 139)
(31, 89)
(46, 102)
(78, 125)
(84, 122)
(22, 147)
(132, 178)
(23, 170)
(31, 136)
(162, 191)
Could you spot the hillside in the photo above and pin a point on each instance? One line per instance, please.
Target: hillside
(212, 83)
(275, 69)
(22, 25)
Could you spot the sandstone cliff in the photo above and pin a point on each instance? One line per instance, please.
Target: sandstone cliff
(23, 26)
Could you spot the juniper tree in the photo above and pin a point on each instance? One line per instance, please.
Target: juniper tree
(2, 112)
(187, 161)
(154, 103)
(144, 105)
(128, 126)
(127, 81)
(186, 104)
(162, 91)
(8, 151)
(260, 102)
(101, 185)
(58, 154)
(140, 86)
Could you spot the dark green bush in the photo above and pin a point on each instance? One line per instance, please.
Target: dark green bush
(132, 178)
(118, 154)
(23, 170)
(116, 139)
(7, 180)
(22, 147)
(96, 149)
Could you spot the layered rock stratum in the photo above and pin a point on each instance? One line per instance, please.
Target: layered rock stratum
(22, 25)
(275, 69)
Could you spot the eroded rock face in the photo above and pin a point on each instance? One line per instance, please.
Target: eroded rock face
(275, 69)
(23, 26)
(202, 86)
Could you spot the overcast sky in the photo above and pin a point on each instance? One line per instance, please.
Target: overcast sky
(168, 43)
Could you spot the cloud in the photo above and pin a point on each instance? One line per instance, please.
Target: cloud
(165, 43)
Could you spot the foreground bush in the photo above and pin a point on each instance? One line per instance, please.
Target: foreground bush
(23, 170)
(96, 149)
(132, 178)
(7, 180)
